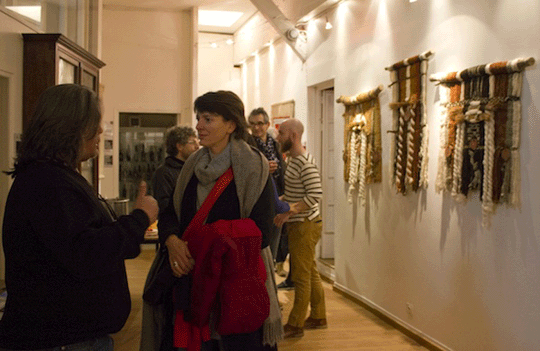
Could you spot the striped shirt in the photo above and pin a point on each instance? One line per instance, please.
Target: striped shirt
(303, 182)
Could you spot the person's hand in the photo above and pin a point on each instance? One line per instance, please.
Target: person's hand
(147, 203)
(281, 218)
(179, 257)
(273, 166)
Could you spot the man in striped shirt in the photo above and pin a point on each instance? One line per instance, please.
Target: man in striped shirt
(303, 191)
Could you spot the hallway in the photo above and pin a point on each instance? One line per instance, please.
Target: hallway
(351, 327)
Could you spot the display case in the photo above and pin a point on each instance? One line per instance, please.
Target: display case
(141, 152)
(51, 59)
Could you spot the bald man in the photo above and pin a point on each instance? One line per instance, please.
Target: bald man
(303, 191)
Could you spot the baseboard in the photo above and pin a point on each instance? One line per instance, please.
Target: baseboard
(407, 329)
(326, 271)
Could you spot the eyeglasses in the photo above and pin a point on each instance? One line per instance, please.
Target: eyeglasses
(196, 141)
(257, 124)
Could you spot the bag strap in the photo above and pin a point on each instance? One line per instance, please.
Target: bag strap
(216, 191)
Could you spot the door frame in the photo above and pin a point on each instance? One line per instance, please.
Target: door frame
(316, 136)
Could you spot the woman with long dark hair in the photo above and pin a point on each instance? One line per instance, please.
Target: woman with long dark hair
(65, 273)
(215, 231)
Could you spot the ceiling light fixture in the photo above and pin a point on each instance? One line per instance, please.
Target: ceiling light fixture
(328, 25)
(292, 34)
(213, 45)
(230, 41)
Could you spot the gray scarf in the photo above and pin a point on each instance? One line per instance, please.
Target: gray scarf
(209, 169)
(250, 169)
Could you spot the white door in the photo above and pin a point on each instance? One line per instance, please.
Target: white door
(327, 160)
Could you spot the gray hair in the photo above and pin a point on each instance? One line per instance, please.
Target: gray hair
(260, 111)
(66, 115)
(175, 135)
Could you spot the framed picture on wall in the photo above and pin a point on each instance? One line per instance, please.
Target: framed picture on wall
(281, 112)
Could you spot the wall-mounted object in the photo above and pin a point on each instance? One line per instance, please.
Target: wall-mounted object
(480, 133)
(408, 152)
(281, 112)
(51, 59)
(363, 150)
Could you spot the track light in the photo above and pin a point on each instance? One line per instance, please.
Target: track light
(328, 25)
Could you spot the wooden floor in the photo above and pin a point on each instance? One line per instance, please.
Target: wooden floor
(350, 327)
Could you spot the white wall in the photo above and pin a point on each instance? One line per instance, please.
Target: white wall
(11, 69)
(216, 69)
(148, 56)
(470, 288)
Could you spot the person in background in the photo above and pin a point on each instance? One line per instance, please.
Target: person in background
(259, 123)
(65, 273)
(303, 191)
(180, 143)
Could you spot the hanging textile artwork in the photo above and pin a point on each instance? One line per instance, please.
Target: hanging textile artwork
(409, 147)
(362, 151)
(480, 133)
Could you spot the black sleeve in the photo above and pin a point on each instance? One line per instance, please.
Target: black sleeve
(263, 212)
(162, 187)
(73, 228)
(168, 222)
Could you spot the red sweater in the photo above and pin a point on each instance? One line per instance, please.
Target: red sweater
(229, 276)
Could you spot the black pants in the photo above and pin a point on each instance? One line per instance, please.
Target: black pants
(283, 248)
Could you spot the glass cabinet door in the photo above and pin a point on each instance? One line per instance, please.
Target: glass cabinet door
(87, 170)
(67, 72)
(89, 80)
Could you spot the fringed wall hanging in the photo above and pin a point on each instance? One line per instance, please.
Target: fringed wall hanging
(362, 152)
(480, 133)
(409, 147)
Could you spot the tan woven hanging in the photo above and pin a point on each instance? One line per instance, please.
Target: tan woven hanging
(362, 150)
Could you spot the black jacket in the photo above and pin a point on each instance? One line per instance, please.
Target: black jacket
(227, 206)
(65, 272)
(164, 180)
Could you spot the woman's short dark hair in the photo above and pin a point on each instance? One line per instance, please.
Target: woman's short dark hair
(66, 115)
(226, 104)
(260, 111)
(175, 135)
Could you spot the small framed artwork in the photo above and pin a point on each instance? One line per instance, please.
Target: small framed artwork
(281, 112)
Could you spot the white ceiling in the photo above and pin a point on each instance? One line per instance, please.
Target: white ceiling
(244, 6)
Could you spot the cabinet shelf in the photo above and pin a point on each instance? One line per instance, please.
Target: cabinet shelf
(52, 59)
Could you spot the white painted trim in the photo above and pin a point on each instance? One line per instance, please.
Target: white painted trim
(326, 271)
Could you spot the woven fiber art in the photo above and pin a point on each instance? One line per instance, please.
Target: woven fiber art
(409, 147)
(362, 151)
(480, 133)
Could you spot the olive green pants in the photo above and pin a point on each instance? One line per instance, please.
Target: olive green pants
(308, 290)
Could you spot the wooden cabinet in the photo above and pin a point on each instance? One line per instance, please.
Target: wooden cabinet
(51, 59)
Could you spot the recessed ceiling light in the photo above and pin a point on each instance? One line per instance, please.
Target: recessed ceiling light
(218, 18)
